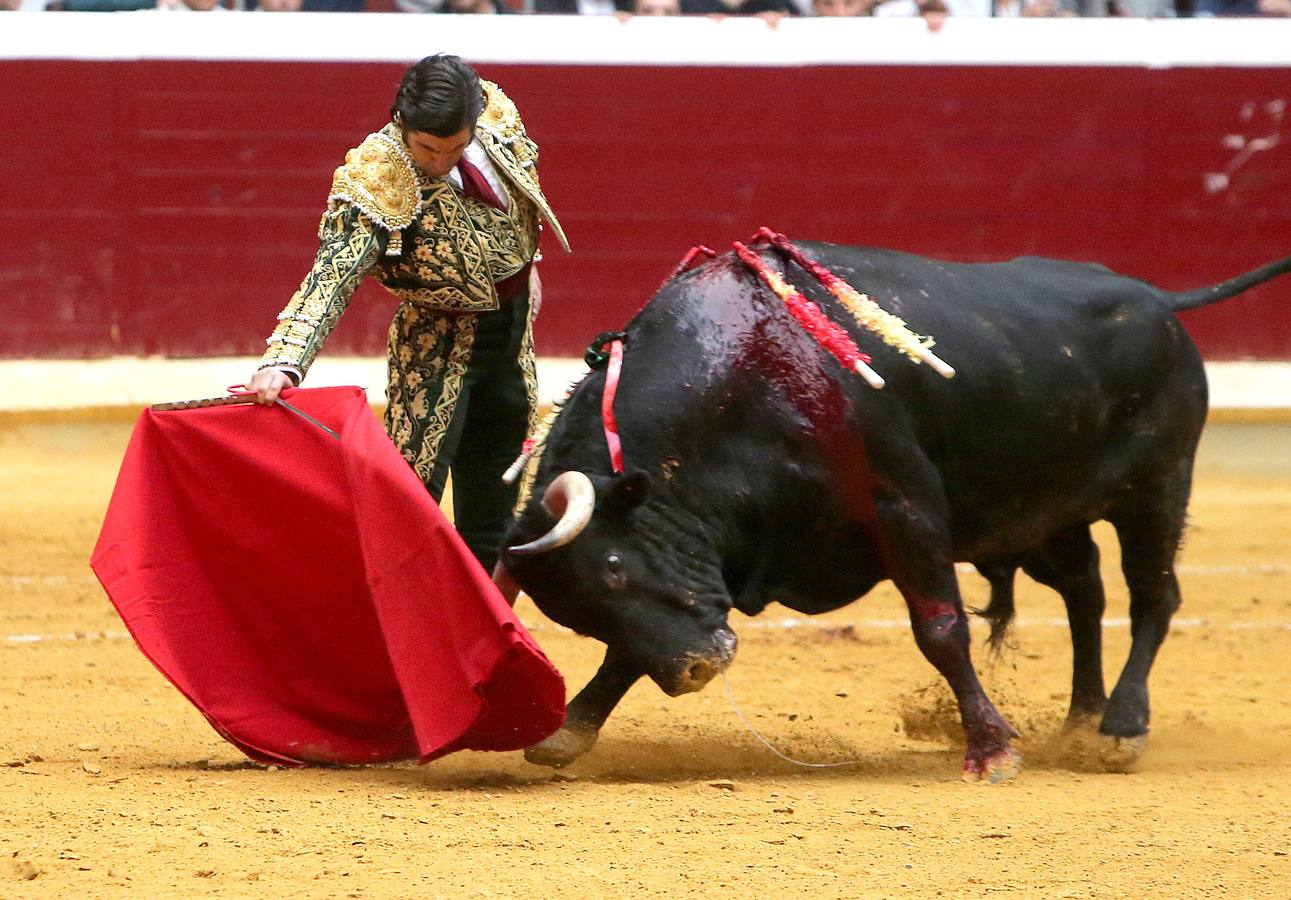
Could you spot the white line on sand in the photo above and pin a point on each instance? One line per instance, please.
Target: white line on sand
(109, 635)
(18, 582)
(784, 624)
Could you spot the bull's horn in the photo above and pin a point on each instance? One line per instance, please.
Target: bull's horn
(572, 498)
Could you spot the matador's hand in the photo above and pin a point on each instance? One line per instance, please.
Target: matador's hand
(268, 384)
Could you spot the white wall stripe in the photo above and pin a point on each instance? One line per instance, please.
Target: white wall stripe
(649, 40)
(131, 381)
(20, 582)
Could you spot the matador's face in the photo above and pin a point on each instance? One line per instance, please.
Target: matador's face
(434, 155)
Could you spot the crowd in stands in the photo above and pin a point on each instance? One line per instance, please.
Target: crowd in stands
(934, 11)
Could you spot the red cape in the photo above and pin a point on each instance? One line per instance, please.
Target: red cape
(307, 594)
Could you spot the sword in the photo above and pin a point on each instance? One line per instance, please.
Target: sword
(306, 416)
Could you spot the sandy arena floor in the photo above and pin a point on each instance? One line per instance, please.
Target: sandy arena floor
(111, 783)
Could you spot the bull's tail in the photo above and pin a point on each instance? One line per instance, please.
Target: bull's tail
(1000, 616)
(1182, 300)
(1001, 610)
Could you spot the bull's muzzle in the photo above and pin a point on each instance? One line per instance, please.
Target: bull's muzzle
(697, 670)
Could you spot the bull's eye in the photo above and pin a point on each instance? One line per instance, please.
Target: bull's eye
(615, 576)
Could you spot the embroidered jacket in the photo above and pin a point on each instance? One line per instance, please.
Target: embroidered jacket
(422, 239)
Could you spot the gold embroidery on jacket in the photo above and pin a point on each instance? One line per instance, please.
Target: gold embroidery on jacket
(502, 135)
(472, 245)
(454, 373)
(428, 359)
(447, 267)
(510, 238)
(529, 369)
(348, 249)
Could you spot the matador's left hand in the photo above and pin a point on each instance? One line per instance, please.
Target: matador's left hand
(535, 291)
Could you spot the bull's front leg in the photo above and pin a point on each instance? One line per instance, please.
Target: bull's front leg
(586, 713)
(924, 573)
(941, 631)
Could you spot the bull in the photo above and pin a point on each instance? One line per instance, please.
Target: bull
(760, 470)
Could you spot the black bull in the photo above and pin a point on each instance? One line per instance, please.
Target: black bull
(759, 470)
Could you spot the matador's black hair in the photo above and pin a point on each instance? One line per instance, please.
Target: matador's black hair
(440, 95)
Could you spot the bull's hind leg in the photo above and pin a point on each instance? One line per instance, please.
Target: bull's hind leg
(1150, 529)
(1068, 563)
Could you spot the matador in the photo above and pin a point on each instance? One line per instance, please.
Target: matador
(444, 208)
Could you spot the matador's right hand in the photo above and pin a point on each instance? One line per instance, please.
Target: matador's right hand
(268, 384)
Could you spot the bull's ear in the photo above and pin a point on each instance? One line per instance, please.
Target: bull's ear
(625, 493)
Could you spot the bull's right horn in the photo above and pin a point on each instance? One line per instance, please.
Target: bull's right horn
(571, 497)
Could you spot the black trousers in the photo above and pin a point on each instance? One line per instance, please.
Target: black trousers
(488, 427)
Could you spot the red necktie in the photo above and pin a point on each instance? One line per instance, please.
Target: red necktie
(474, 184)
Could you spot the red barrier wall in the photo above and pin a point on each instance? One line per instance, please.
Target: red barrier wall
(170, 206)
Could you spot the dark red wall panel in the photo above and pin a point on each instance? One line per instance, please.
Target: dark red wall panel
(172, 208)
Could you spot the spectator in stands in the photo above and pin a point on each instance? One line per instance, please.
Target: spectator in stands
(131, 5)
(1211, 8)
(477, 7)
(101, 5)
(772, 11)
(575, 7)
(1143, 9)
(842, 7)
(933, 12)
(304, 5)
(936, 11)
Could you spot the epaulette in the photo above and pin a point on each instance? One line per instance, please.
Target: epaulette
(379, 178)
(500, 115)
(509, 146)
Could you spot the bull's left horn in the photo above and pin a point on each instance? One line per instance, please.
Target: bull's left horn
(572, 498)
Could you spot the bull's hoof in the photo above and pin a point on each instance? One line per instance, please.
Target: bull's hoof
(1121, 754)
(1079, 745)
(1082, 746)
(562, 748)
(1002, 765)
